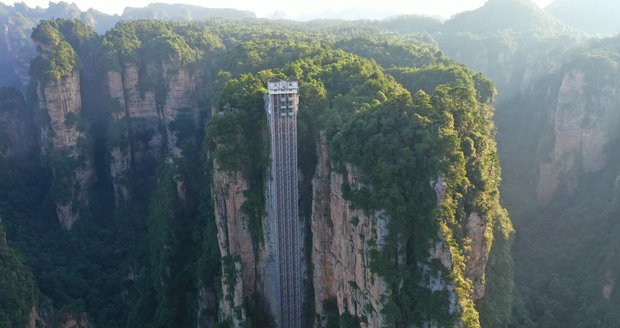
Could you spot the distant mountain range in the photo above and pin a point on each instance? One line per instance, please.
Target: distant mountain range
(17, 22)
(496, 15)
(103, 22)
(593, 16)
(181, 12)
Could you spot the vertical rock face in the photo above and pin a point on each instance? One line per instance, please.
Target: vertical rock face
(343, 239)
(120, 152)
(180, 100)
(235, 242)
(477, 254)
(141, 108)
(72, 163)
(440, 251)
(143, 119)
(61, 99)
(32, 318)
(248, 267)
(583, 123)
(70, 320)
(17, 129)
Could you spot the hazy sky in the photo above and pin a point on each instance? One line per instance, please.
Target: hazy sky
(303, 9)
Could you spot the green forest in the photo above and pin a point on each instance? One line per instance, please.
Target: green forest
(487, 142)
(145, 264)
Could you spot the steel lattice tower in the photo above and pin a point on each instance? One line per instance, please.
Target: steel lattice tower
(281, 105)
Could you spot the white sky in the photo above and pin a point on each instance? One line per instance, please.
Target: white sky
(301, 8)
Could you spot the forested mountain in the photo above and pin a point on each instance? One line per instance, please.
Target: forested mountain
(180, 12)
(134, 160)
(496, 15)
(560, 185)
(17, 21)
(150, 187)
(556, 116)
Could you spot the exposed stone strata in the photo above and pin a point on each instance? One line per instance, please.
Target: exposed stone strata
(232, 306)
(235, 242)
(141, 108)
(46, 317)
(144, 115)
(254, 266)
(180, 98)
(342, 241)
(148, 114)
(33, 317)
(60, 98)
(477, 253)
(61, 101)
(120, 163)
(436, 280)
(583, 124)
(71, 320)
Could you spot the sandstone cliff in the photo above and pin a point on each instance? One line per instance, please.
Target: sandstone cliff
(236, 246)
(584, 120)
(249, 276)
(66, 145)
(71, 320)
(343, 239)
(120, 152)
(147, 118)
(42, 317)
(343, 242)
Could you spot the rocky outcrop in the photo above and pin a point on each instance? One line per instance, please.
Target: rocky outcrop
(343, 239)
(71, 320)
(65, 144)
(49, 318)
(120, 152)
(583, 122)
(147, 105)
(149, 111)
(435, 280)
(141, 108)
(440, 251)
(180, 101)
(62, 102)
(33, 317)
(477, 253)
(235, 243)
(249, 271)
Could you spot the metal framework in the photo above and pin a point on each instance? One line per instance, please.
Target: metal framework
(281, 105)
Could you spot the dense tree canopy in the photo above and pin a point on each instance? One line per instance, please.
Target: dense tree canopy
(395, 109)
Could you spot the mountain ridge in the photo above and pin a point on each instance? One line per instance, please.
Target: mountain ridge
(593, 16)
